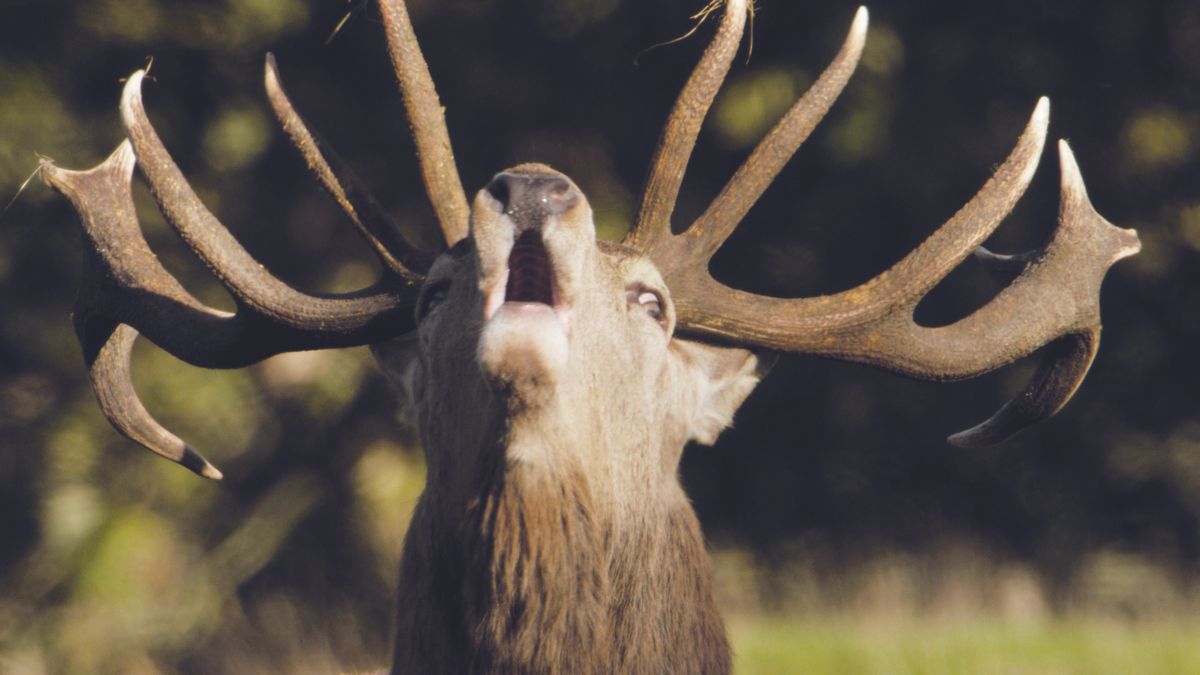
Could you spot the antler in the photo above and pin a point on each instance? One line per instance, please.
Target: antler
(1053, 296)
(424, 110)
(126, 291)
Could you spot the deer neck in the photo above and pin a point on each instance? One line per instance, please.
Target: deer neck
(553, 535)
(551, 572)
(536, 574)
(519, 557)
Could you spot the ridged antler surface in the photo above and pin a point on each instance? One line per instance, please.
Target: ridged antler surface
(1051, 297)
(1054, 299)
(126, 291)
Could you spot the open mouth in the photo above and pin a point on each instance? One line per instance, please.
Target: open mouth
(529, 287)
(530, 278)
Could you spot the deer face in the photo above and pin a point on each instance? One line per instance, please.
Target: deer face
(536, 337)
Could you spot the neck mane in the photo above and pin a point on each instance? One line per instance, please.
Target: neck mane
(532, 573)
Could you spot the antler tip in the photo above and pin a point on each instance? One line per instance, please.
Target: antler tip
(131, 97)
(975, 437)
(271, 78)
(1072, 179)
(858, 28)
(124, 153)
(1041, 115)
(1133, 243)
(271, 69)
(195, 462)
(1075, 196)
(50, 172)
(1033, 140)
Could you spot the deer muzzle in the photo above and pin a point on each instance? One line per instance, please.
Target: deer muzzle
(530, 224)
(533, 233)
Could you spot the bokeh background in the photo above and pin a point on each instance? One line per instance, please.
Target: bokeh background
(848, 536)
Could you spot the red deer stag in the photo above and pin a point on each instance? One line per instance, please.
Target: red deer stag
(555, 378)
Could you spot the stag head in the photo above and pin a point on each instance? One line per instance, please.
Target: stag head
(534, 332)
(555, 378)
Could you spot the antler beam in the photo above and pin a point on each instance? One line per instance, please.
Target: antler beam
(1053, 296)
(126, 291)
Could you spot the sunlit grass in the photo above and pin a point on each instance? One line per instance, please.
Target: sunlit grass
(977, 645)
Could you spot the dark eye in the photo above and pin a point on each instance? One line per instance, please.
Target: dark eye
(432, 298)
(649, 301)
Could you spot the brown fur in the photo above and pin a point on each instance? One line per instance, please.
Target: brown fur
(553, 535)
(536, 582)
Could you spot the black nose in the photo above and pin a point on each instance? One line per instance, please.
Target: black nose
(528, 198)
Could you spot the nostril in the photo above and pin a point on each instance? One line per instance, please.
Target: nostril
(559, 195)
(532, 196)
(500, 191)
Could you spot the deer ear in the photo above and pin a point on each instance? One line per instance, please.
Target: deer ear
(400, 362)
(722, 377)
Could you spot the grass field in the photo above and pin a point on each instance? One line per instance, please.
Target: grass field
(977, 646)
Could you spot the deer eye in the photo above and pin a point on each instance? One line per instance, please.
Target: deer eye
(649, 301)
(433, 296)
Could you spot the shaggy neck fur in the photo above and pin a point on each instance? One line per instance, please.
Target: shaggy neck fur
(530, 573)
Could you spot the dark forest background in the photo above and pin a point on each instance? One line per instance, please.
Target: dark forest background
(831, 467)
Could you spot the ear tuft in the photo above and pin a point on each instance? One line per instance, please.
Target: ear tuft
(724, 376)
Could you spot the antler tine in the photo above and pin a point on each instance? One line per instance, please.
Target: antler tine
(1053, 299)
(428, 121)
(1058, 376)
(772, 153)
(1084, 239)
(237, 270)
(343, 185)
(112, 382)
(124, 281)
(121, 278)
(817, 325)
(126, 291)
(683, 128)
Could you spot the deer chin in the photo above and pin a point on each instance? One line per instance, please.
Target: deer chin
(524, 348)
